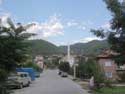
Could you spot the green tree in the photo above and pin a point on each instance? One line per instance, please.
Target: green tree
(115, 36)
(13, 48)
(99, 76)
(90, 68)
(30, 64)
(64, 66)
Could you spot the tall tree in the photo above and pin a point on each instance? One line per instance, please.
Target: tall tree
(13, 47)
(115, 36)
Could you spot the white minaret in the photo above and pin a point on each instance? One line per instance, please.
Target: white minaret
(68, 53)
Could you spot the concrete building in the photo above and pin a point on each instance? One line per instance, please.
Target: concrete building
(39, 60)
(109, 66)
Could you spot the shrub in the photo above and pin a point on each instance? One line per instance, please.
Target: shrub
(33, 65)
(121, 77)
(64, 66)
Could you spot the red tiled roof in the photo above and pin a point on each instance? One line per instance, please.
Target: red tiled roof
(107, 54)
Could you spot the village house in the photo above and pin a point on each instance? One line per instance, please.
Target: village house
(39, 60)
(108, 65)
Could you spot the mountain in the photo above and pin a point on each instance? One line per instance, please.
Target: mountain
(42, 47)
(94, 47)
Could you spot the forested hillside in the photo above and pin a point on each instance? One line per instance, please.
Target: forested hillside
(93, 47)
(43, 47)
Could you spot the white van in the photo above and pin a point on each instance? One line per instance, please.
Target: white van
(24, 78)
(20, 79)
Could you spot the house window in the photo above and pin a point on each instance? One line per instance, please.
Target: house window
(108, 63)
(108, 74)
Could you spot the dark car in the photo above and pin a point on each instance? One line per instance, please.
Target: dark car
(59, 72)
(64, 74)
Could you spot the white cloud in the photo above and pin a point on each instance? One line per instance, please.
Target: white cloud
(82, 26)
(3, 18)
(88, 39)
(106, 26)
(72, 23)
(35, 28)
(51, 27)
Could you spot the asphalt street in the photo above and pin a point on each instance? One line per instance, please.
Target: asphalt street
(51, 83)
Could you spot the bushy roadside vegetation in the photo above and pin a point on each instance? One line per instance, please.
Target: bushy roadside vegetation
(86, 69)
(13, 49)
(113, 90)
(32, 65)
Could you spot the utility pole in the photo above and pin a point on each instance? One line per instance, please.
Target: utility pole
(74, 69)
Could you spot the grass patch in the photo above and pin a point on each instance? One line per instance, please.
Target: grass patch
(113, 90)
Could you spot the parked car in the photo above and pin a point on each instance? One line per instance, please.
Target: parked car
(64, 74)
(59, 73)
(31, 72)
(18, 80)
(25, 77)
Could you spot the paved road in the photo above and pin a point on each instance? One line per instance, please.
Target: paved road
(51, 83)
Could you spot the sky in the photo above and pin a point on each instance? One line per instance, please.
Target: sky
(59, 21)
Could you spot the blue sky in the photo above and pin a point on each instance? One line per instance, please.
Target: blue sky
(59, 21)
